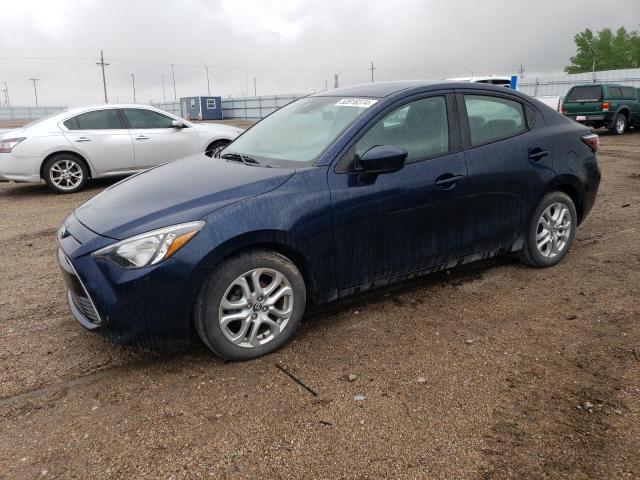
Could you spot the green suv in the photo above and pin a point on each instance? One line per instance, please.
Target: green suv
(613, 106)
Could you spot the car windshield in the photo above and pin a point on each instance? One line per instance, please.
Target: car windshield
(585, 94)
(296, 134)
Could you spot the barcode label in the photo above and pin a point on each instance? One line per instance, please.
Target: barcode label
(356, 102)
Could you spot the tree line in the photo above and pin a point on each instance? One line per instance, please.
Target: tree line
(605, 50)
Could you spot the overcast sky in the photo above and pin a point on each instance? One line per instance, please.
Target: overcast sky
(289, 46)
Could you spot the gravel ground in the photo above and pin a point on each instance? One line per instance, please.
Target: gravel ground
(491, 371)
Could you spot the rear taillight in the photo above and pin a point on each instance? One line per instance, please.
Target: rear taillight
(605, 106)
(561, 109)
(593, 141)
(7, 145)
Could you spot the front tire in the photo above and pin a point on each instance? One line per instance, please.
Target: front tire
(551, 231)
(65, 173)
(250, 306)
(619, 125)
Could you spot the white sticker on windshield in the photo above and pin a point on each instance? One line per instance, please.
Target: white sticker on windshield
(356, 102)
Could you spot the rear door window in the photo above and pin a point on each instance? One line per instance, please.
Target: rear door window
(97, 120)
(585, 94)
(493, 118)
(141, 118)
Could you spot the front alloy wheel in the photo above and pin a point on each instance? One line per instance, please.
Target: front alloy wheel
(256, 307)
(250, 305)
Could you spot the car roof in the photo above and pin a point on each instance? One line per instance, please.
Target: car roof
(97, 106)
(385, 89)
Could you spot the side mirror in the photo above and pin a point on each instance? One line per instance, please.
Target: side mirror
(383, 159)
(177, 124)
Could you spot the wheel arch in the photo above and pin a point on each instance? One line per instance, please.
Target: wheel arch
(625, 110)
(569, 185)
(65, 152)
(214, 140)
(276, 241)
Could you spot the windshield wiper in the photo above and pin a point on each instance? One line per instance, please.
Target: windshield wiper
(237, 157)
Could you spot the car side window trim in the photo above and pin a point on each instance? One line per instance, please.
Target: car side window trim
(455, 145)
(464, 118)
(125, 120)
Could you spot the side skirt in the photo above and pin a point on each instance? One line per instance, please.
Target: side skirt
(419, 273)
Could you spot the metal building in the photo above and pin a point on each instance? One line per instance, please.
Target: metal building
(201, 108)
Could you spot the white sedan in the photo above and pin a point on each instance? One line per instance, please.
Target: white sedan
(67, 149)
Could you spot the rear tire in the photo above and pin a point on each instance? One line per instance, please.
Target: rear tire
(65, 173)
(619, 125)
(251, 305)
(551, 231)
(215, 145)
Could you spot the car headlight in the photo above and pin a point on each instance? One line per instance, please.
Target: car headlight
(151, 247)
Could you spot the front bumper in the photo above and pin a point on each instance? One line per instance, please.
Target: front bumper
(147, 306)
(19, 168)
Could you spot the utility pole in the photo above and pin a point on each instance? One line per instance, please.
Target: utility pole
(173, 75)
(133, 81)
(35, 90)
(104, 79)
(521, 70)
(208, 85)
(325, 85)
(164, 97)
(336, 80)
(6, 94)
(255, 88)
(372, 69)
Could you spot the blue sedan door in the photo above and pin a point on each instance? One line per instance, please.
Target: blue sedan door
(509, 155)
(399, 223)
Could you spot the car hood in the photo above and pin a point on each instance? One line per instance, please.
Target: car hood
(219, 127)
(181, 191)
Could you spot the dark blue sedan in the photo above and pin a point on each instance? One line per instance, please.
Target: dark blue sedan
(331, 195)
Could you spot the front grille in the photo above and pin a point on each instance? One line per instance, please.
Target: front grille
(77, 292)
(84, 305)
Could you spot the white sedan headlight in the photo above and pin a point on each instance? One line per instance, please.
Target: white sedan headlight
(151, 247)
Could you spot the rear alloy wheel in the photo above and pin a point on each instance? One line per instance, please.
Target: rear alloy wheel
(65, 174)
(551, 231)
(619, 124)
(251, 305)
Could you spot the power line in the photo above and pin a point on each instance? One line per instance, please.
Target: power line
(104, 78)
(35, 90)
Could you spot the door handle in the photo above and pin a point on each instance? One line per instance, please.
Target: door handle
(83, 139)
(448, 180)
(142, 137)
(537, 154)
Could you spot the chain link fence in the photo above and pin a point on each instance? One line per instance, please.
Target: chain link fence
(255, 108)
